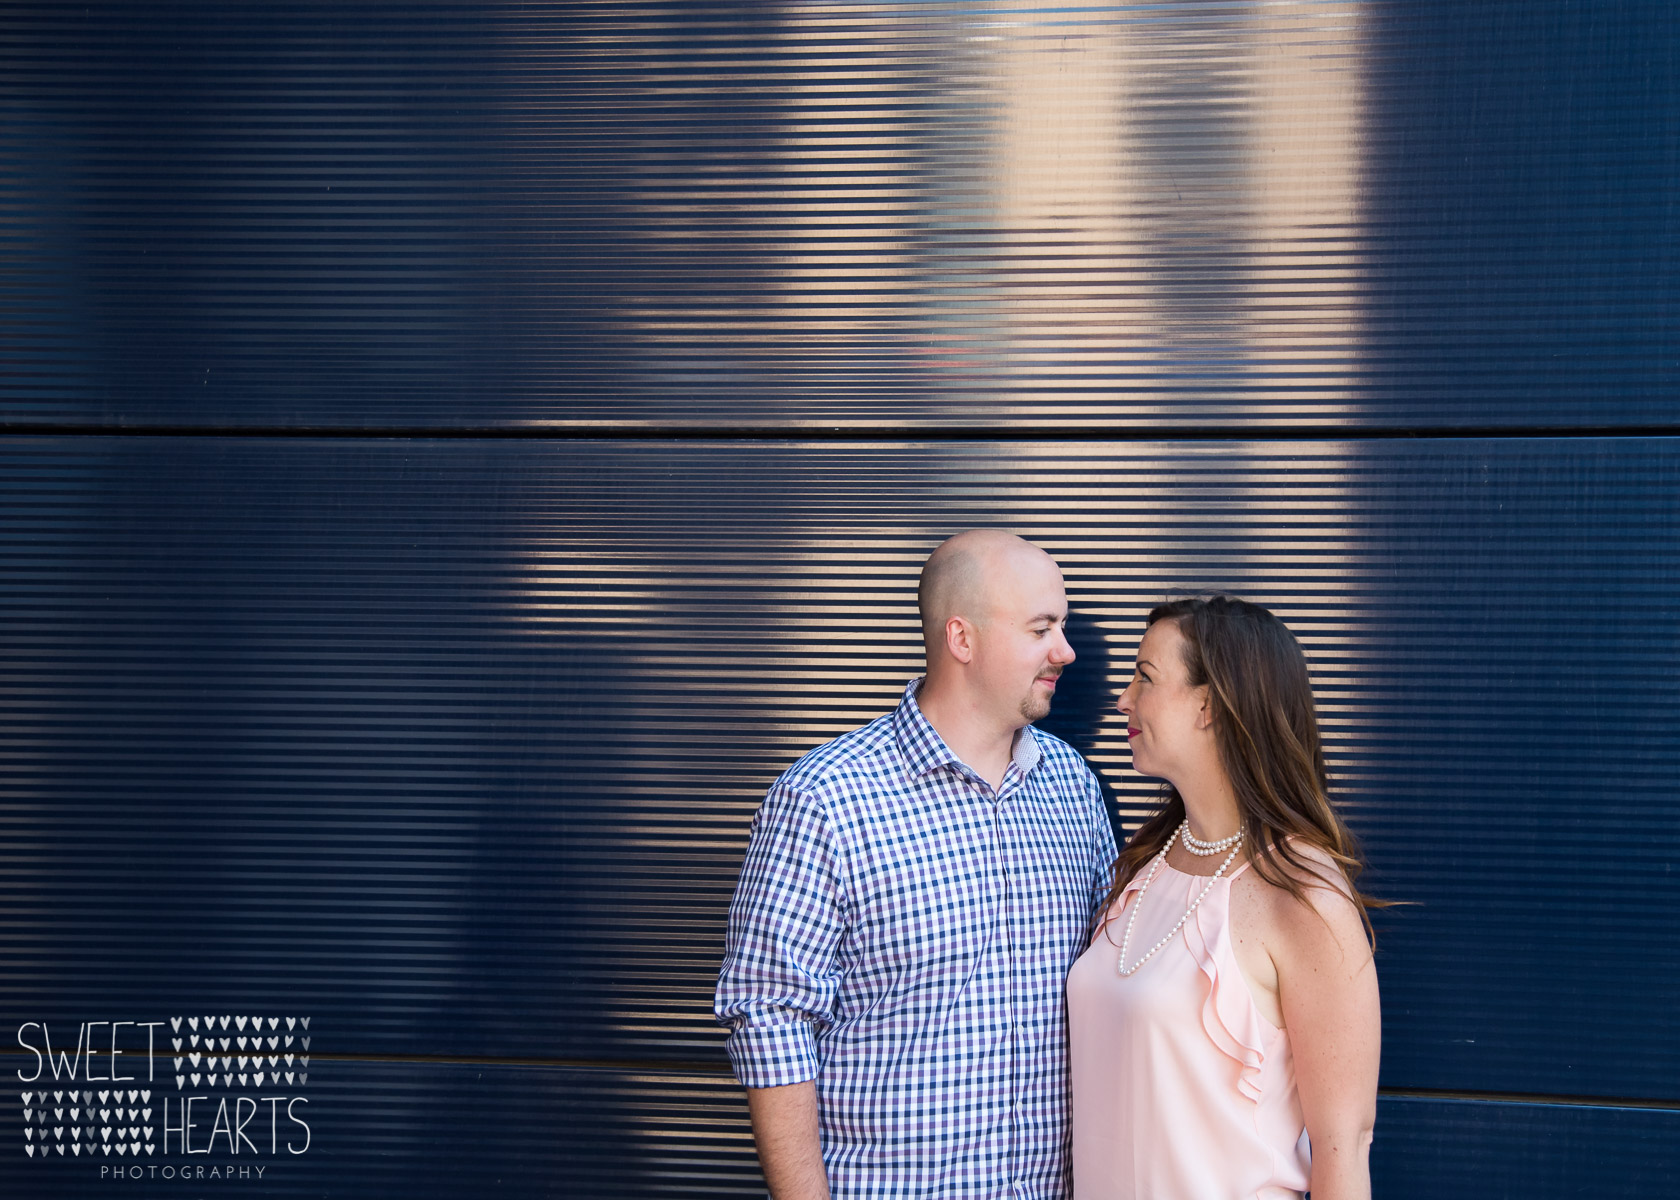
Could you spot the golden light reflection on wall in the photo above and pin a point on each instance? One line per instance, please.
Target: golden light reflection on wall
(954, 214)
(1179, 197)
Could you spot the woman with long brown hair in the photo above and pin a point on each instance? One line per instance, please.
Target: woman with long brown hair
(1224, 1022)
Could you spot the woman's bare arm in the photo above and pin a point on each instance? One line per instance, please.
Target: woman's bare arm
(1327, 988)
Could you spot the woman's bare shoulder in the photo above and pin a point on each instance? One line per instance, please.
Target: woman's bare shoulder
(1324, 914)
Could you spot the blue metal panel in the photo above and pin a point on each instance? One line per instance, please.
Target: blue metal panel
(381, 215)
(1504, 1150)
(436, 739)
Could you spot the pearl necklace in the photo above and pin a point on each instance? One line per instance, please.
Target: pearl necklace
(1196, 846)
(1126, 940)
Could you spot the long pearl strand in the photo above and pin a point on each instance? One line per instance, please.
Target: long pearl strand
(1235, 841)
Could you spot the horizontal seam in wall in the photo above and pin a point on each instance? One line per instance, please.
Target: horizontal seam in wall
(721, 1072)
(1529, 1098)
(718, 1071)
(852, 433)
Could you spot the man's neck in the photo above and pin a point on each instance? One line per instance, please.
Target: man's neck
(981, 743)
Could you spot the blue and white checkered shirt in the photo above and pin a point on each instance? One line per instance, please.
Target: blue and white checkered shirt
(901, 934)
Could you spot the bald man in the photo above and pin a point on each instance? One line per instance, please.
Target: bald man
(912, 897)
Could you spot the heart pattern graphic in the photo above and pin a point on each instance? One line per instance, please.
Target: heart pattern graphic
(114, 1127)
(252, 1054)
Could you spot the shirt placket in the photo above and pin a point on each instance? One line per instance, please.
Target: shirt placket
(1009, 865)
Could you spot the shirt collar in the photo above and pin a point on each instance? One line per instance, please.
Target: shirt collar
(924, 750)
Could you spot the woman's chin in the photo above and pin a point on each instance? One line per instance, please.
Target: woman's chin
(1142, 767)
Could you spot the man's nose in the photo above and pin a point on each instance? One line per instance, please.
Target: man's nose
(1064, 650)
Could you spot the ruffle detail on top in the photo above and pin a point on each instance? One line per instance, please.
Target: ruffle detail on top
(1117, 910)
(1229, 1015)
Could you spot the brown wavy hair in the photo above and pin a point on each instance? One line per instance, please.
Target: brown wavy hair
(1266, 727)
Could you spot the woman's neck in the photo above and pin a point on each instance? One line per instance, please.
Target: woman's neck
(1211, 804)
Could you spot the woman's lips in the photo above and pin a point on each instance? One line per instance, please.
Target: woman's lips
(1132, 731)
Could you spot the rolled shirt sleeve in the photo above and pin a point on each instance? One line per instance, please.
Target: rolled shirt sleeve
(780, 968)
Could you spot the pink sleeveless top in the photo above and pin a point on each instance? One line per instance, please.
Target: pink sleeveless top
(1181, 1089)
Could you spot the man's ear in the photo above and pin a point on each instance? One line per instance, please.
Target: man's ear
(959, 639)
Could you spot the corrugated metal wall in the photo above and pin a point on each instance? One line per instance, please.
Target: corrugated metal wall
(456, 455)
